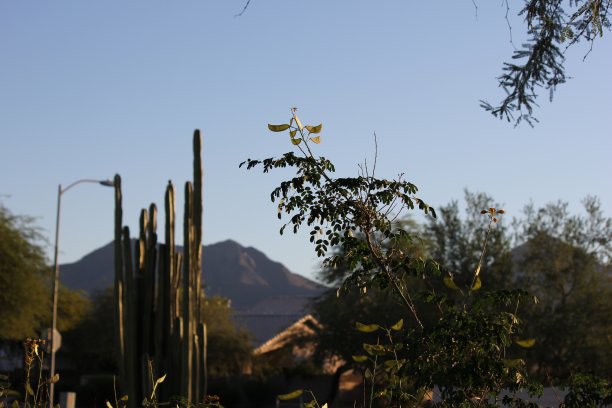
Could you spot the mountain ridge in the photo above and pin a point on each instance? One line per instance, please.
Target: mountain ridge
(245, 275)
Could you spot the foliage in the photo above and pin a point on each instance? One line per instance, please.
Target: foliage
(457, 241)
(25, 277)
(90, 343)
(588, 391)
(464, 349)
(552, 27)
(229, 347)
(565, 262)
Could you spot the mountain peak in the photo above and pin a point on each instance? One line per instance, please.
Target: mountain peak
(244, 275)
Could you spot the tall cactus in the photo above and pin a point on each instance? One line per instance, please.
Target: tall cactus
(158, 295)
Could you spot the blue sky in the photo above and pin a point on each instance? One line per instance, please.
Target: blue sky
(90, 89)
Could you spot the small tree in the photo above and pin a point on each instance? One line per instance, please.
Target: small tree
(465, 350)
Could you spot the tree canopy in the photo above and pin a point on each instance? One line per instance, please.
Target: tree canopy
(25, 279)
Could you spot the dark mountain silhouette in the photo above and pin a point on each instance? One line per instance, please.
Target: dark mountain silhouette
(244, 275)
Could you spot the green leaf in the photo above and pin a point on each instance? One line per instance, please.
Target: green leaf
(316, 139)
(398, 326)
(477, 284)
(366, 328)
(29, 389)
(360, 359)
(310, 404)
(525, 343)
(449, 282)
(292, 133)
(291, 395)
(314, 129)
(375, 349)
(515, 363)
(278, 128)
(296, 141)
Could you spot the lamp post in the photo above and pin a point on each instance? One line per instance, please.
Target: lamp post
(53, 339)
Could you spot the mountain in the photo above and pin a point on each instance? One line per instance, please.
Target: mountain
(244, 275)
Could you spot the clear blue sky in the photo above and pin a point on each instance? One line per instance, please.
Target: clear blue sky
(90, 89)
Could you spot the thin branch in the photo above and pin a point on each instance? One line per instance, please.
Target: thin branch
(243, 9)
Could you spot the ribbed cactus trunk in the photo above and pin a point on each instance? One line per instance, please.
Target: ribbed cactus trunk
(158, 295)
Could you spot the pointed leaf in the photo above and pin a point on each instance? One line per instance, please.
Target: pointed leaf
(108, 404)
(324, 405)
(449, 282)
(314, 129)
(291, 395)
(525, 343)
(366, 328)
(29, 389)
(398, 326)
(278, 128)
(310, 404)
(296, 141)
(54, 379)
(316, 139)
(477, 285)
(161, 379)
(292, 133)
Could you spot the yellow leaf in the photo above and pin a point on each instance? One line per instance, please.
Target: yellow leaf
(296, 141)
(314, 129)
(366, 328)
(398, 326)
(316, 139)
(360, 359)
(108, 404)
(477, 284)
(291, 395)
(525, 343)
(450, 283)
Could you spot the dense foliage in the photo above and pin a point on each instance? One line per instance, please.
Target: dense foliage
(25, 278)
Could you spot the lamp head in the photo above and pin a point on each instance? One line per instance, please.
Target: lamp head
(107, 183)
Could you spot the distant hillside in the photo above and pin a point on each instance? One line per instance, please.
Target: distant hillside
(244, 275)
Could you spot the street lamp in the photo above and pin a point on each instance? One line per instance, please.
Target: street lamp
(53, 339)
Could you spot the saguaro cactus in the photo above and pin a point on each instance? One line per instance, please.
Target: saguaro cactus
(158, 295)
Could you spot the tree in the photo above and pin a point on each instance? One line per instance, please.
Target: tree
(24, 298)
(25, 277)
(230, 350)
(565, 262)
(457, 242)
(463, 351)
